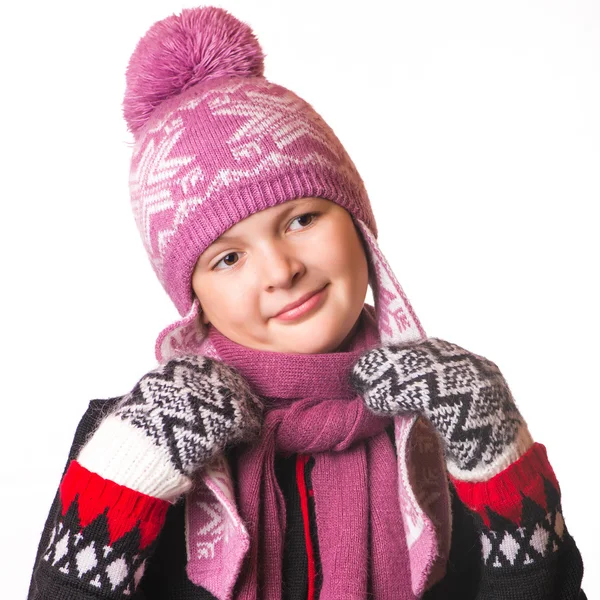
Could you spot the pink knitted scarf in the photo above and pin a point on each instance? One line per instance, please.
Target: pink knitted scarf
(311, 409)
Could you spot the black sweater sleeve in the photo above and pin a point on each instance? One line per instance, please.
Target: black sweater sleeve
(108, 569)
(42, 584)
(509, 539)
(98, 535)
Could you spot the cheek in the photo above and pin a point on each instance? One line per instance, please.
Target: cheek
(228, 300)
(352, 271)
(341, 254)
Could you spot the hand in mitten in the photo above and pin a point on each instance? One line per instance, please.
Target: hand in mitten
(464, 395)
(175, 419)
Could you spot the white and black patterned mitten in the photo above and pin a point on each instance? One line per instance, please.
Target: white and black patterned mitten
(175, 419)
(464, 395)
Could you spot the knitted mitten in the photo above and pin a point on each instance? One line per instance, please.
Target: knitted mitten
(464, 395)
(175, 419)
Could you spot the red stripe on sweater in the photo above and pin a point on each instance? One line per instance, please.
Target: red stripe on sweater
(301, 461)
(502, 493)
(126, 507)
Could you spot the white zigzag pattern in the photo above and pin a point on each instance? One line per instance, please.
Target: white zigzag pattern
(148, 192)
(215, 529)
(267, 116)
(216, 498)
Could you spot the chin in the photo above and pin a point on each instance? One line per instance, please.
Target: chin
(318, 335)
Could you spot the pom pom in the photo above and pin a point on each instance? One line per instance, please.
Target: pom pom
(182, 50)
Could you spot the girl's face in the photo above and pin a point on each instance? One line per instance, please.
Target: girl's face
(276, 257)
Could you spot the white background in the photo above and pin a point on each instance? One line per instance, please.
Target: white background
(476, 128)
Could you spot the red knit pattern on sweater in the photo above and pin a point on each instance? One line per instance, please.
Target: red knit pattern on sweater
(504, 492)
(124, 508)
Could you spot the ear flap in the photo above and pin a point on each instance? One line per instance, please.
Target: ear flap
(396, 319)
(184, 336)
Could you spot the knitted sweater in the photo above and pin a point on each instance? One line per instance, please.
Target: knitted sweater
(509, 540)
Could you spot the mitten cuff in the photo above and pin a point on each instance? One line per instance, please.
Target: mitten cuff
(530, 477)
(123, 453)
(485, 471)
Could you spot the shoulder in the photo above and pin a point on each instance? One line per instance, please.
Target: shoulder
(95, 412)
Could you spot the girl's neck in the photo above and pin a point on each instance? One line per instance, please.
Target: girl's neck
(293, 375)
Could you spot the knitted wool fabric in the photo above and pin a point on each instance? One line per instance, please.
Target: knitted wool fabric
(216, 564)
(311, 408)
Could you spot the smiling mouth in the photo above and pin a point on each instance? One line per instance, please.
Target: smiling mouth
(308, 305)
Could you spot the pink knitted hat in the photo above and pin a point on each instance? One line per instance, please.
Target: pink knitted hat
(216, 142)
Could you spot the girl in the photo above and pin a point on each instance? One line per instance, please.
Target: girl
(294, 441)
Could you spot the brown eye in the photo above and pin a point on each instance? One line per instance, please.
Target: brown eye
(227, 260)
(307, 219)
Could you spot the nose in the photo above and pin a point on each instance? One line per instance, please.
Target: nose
(280, 266)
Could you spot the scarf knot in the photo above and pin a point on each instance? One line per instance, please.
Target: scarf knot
(312, 425)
